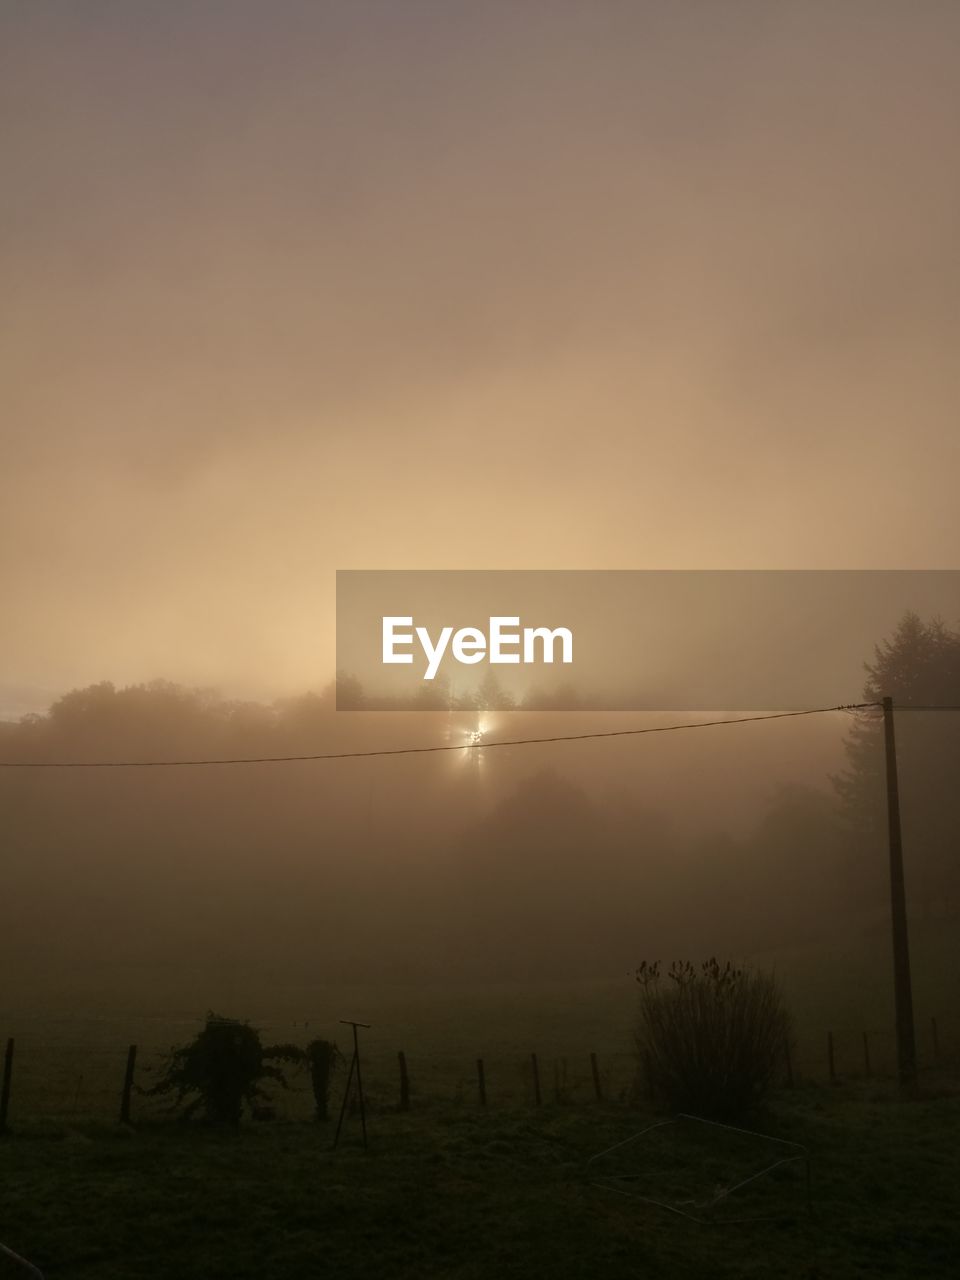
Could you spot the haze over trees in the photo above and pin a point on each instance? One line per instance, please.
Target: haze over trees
(538, 862)
(919, 667)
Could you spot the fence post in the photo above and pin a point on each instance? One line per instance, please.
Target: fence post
(536, 1079)
(595, 1072)
(128, 1085)
(481, 1083)
(5, 1087)
(789, 1060)
(936, 1039)
(830, 1058)
(404, 1082)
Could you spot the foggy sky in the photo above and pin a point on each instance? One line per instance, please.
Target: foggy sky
(293, 287)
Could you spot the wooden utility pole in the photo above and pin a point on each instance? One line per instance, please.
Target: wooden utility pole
(902, 986)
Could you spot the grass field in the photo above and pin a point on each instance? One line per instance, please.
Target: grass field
(449, 1189)
(453, 1191)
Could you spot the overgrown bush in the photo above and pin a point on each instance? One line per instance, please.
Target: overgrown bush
(709, 1041)
(224, 1067)
(322, 1058)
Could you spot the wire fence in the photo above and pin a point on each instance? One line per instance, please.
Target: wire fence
(67, 1083)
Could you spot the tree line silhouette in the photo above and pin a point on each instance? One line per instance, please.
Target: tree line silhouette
(518, 864)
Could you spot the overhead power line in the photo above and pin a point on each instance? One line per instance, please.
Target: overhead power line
(414, 751)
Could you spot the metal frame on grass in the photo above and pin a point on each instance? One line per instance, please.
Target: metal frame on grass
(616, 1182)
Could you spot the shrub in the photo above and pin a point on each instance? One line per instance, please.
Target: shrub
(710, 1040)
(224, 1067)
(322, 1058)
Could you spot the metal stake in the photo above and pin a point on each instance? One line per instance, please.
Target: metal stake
(354, 1066)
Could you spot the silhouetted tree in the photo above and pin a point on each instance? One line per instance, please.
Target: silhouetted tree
(918, 666)
(349, 691)
(224, 1066)
(491, 695)
(432, 695)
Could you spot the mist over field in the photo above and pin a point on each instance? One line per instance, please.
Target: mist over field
(556, 862)
(296, 288)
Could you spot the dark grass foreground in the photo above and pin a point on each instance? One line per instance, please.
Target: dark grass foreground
(458, 1193)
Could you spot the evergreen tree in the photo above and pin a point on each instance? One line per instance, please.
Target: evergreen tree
(919, 666)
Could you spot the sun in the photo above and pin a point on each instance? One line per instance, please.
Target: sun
(468, 730)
